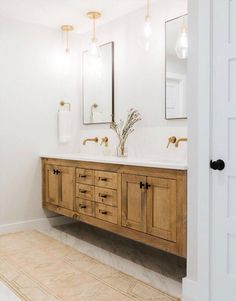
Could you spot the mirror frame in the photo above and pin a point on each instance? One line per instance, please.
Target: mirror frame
(113, 86)
(177, 118)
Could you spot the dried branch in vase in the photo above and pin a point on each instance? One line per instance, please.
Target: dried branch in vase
(124, 129)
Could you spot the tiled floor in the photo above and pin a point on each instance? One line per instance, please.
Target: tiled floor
(40, 268)
(159, 269)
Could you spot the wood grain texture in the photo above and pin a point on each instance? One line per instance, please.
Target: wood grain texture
(106, 196)
(85, 191)
(106, 179)
(106, 213)
(133, 202)
(85, 176)
(85, 207)
(155, 216)
(162, 208)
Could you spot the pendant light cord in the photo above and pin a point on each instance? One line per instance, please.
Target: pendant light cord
(148, 8)
(94, 29)
(67, 41)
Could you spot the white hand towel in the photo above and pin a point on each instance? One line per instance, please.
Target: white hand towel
(64, 126)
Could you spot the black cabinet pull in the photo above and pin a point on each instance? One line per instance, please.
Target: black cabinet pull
(83, 176)
(104, 179)
(141, 185)
(148, 186)
(83, 206)
(104, 212)
(104, 196)
(54, 171)
(83, 191)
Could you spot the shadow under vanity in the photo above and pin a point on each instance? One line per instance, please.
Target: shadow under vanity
(144, 203)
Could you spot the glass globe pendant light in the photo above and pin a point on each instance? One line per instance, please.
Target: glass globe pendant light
(94, 49)
(181, 47)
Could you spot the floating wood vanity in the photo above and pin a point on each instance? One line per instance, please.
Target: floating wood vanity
(146, 204)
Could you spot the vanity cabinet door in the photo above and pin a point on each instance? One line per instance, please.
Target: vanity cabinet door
(66, 179)
(134, 202)
(60, 186)
(162, 208)
(51, 185)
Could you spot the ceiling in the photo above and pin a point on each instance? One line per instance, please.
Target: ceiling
(54, 13)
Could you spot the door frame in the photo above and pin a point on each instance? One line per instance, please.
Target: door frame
(197, 284)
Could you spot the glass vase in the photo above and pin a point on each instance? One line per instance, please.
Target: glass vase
(122, 150)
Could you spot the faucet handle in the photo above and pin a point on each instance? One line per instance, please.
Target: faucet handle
(171, 139)
(105, 140)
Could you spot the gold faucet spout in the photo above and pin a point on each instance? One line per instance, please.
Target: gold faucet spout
(90, 140)
(180, 140)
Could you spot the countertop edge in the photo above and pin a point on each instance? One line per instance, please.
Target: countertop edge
(125, 161)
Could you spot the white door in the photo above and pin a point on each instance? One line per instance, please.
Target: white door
(224, 147)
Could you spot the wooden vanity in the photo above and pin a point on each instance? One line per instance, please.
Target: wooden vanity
(145, 204)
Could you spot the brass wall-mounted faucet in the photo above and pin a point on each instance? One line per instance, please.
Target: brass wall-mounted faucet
(90, 140)
(180, 140)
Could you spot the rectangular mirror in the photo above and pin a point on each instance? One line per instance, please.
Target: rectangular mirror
(176, 68)
(98, 86)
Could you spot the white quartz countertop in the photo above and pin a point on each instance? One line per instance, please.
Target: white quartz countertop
(145, 162)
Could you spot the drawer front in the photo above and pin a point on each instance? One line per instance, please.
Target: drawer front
(84, 207)
(106, 179)
(106, 213)
(85, 191)
(106, 196)
(85, 176)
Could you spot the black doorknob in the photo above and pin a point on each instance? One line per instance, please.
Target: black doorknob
(217, 165)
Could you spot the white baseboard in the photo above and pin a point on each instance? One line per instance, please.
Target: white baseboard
(35, 224)
(190, 290)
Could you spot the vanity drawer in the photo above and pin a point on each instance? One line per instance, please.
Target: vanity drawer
(106, 213)
(106, 196)
(85, 191)
(85, 176)
(106, 179)
(84, 207)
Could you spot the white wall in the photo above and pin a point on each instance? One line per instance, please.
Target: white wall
(34, 78)
(140, 79)
(196, 286)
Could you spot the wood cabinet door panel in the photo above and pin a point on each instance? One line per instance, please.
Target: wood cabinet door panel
(133, 202)
(51, 185)
(162, 208)
(66, 179)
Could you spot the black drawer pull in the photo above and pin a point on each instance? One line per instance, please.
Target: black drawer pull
(103, 212)
(104, 179)
(83, 206)
(83, 191)
(104, 196)
(82, 176)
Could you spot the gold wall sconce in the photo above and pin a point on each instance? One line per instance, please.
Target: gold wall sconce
(66, 29)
